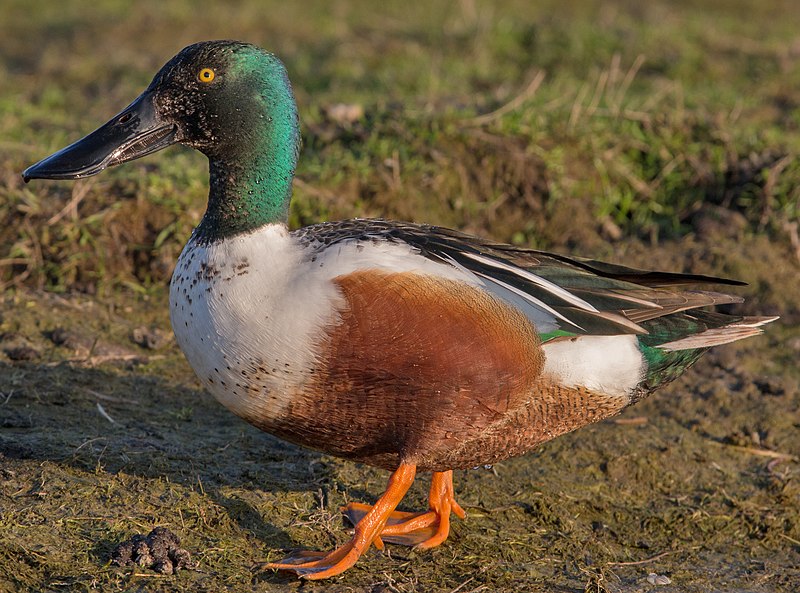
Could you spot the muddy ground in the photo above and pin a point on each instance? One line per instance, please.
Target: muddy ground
(105, 433)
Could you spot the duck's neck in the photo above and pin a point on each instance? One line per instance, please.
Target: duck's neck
(251, 177)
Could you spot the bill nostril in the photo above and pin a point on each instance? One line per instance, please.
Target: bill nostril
(125, 118)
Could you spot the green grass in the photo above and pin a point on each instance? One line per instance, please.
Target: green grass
(661, 134)
(645, 116)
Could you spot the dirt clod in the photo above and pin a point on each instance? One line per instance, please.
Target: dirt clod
(22, 353)
(61, 336)
(658, 579)
(771, 386)
(150, 338)
(159, 551)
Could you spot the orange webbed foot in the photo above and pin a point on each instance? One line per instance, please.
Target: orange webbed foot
(319, 565)
(381, 523)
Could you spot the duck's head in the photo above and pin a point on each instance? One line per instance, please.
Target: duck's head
(225, 98)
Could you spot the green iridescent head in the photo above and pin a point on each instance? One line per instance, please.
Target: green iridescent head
(230, 100)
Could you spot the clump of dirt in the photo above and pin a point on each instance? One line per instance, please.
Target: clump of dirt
(160, 551)
(150, 338)
(22, 353)
(61, 336)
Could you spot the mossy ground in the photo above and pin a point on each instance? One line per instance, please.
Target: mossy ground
(662, 134)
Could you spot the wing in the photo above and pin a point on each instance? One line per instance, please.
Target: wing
(561, 295)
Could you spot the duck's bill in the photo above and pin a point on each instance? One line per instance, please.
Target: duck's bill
(135, 132)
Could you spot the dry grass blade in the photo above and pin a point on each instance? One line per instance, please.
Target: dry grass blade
(645, 561)
(79, 192)
(760, 452)
(512, 105)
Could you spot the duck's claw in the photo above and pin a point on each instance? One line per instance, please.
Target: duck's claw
(318, 565)
(380, 523)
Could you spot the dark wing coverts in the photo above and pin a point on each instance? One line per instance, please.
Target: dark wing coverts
(561, 295)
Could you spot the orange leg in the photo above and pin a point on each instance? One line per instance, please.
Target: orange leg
(423, 530)
(318, 565)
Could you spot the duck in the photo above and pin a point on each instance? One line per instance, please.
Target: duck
(404, 346)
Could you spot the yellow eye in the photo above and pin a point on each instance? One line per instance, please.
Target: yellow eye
(206, 75)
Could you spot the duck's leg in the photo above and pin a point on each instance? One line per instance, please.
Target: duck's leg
(424, 530)
(319, 565)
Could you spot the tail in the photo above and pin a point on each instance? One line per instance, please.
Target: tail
(734, 329)
(675, 342)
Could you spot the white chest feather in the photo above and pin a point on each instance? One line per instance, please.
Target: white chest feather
(242, 321)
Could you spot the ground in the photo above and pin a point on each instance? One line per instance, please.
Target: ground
(663, 135)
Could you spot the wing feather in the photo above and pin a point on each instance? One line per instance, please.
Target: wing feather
(559, 294)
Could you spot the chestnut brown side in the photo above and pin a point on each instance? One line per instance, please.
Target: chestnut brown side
(415, 367)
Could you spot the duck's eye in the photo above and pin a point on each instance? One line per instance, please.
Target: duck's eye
(206, 75)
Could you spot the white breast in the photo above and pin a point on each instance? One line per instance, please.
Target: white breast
(242, 327)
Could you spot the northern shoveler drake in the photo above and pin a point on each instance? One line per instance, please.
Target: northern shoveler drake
(403, 346)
